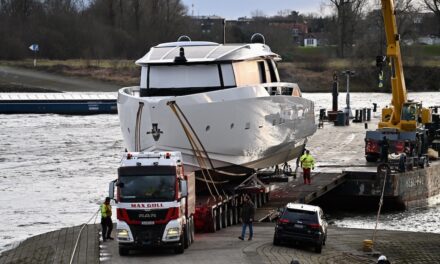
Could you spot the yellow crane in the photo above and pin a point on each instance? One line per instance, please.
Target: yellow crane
(402, 115)
(402, 122)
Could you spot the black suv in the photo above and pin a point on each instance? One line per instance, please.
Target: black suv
(301, 223)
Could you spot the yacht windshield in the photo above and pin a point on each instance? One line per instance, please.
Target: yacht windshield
(147, 188)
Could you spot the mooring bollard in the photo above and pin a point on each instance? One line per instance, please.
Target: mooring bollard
(356, 116)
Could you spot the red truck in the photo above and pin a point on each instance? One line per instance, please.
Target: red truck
(156, 203)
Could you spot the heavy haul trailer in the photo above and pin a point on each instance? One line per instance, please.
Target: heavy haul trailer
(157, 204)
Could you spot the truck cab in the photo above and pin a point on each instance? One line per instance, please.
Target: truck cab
(155, 202)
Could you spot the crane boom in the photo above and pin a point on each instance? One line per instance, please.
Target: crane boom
(398, 87)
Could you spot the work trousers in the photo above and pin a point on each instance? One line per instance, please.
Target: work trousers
(306, 175)
(107, 227)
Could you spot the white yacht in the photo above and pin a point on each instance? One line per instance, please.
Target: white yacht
(232, 98)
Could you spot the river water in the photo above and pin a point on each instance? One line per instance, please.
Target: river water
(54, 171)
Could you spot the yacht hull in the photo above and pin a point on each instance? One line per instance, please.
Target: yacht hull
(241, 128)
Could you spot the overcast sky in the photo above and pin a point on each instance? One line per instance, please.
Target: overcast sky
(232, 9)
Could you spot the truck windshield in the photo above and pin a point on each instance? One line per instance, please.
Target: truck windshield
(150, 188)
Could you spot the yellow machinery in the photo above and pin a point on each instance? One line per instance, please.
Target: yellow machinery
(402, 115)
(402, 123)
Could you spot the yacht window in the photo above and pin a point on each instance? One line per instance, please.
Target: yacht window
(228, 75)
(272, 71)
(183, 76)
(144, 74)
(262, 72)
(246, 73)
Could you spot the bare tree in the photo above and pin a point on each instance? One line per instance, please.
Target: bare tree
(348, 13)
(258, 14)
(434, 6)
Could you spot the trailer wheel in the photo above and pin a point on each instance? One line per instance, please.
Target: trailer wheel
(259, 199)
(213, 225)
(181, 247)
(124, 251)
(218, 221)
(223, 216)
(229, 217)
(234, 215)
(264, 198)
(192, 229)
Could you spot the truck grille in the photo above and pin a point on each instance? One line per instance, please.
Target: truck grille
(150, 235)
(147, 215)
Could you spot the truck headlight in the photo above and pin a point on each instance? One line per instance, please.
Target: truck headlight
(123, 234)
(173, 232)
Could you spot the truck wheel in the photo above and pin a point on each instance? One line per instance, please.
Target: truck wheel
(123, 251)
(187, 240)
(371, 158)
(180, 248)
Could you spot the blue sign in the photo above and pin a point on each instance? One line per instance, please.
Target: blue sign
(34, 47)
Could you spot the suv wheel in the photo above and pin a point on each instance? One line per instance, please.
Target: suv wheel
(123, 251)
(318, 248)
(276, 241)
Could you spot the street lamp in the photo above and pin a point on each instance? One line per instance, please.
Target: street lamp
(347, 109)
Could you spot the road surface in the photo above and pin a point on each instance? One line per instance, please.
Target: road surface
(17, 77)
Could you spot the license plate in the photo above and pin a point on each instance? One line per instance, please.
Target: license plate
(298, 225)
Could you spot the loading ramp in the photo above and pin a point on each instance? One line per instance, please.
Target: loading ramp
(298, 192)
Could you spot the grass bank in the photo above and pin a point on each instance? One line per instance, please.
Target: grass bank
(312, 71)
(120, 72)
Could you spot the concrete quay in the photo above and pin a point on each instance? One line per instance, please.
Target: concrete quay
(344, 246)
(56, 247)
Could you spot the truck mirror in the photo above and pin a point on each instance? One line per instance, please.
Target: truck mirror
(184, 188)
(111, 189)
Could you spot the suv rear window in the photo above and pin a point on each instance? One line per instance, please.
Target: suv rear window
(299, 215)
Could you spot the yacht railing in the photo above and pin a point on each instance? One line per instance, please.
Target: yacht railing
(277, 88)
(132, 90)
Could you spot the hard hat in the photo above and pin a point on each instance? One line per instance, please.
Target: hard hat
(382, 257)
